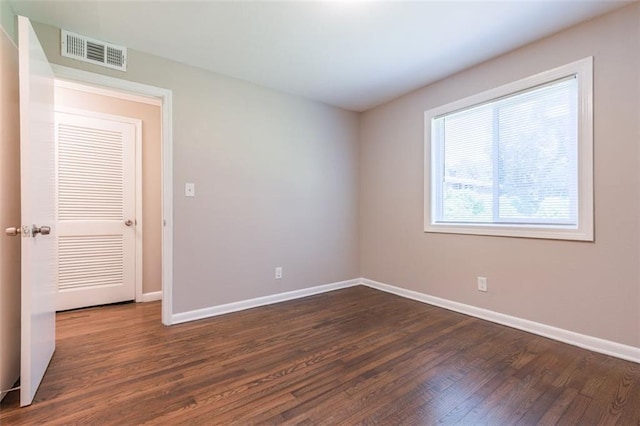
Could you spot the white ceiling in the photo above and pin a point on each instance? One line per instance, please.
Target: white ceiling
(352, 54)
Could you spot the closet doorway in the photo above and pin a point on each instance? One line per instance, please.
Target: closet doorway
(108, 196)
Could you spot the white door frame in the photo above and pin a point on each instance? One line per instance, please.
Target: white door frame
(165, 95)
(139, 227)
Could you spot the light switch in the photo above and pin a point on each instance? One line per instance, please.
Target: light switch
(189, 189)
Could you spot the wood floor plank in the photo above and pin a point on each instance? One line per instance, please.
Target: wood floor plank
(352, 356)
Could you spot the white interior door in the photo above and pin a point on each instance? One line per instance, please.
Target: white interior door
(96, 208)
(37, 191)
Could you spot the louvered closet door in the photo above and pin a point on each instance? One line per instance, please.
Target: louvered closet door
(95, 210)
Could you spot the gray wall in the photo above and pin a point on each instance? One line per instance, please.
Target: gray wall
(590, 288)
(7, 19)
(276, 183)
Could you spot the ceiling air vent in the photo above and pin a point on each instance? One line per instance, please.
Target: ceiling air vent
(94, 51)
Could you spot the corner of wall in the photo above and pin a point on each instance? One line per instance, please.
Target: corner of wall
(360, 185)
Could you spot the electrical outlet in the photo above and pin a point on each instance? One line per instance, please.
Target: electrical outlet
(482, 284)
(278, 272)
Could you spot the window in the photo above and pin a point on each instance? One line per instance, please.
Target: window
(516, 160)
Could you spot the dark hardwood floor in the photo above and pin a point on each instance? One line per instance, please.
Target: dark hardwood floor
(353, 356)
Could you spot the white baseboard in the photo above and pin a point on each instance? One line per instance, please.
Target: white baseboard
(607, 347)
(259, 301)
(151, 296)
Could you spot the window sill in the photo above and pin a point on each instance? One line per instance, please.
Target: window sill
(547, 232)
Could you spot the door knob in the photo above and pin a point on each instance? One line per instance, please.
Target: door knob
(44, 230)
(128, 222)
(12, 232)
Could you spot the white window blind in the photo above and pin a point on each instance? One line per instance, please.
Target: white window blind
(516, 160)
(512, 160)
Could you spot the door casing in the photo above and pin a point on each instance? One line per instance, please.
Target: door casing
(166, 98)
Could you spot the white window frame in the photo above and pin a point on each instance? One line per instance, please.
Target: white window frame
(583, 72)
